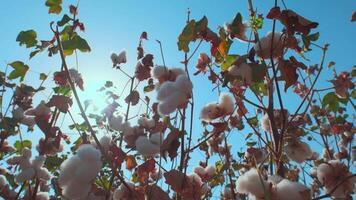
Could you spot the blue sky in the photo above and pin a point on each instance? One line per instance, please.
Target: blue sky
(113, 25)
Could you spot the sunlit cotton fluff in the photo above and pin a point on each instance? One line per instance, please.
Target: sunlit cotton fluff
(163, 74)
(118, 59)
(146, 123)
(42, 196)
(243, 71)
(226, 194)
(195, 188)
(41, 110)
(19, 115)
(172, 95)
(288, 190)
(215, 110)
(298, 151)
(263, 48)
(149, 146)
(29, 169)
(78, 172)
(105, 142)
(116, 123)
(252, 184)
(333, 173)
(205, 173)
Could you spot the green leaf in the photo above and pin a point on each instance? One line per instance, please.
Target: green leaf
(43, 76)
(253, 121)
(20, 70)
(75, 43)
(259, 88)
(227, 62)
(20, 145)
(330, 101)
(190, 33)
(55, 6)
(256, 22)
(308, 39)
(65, 19)
(63, 90)
(33, 53)
(28, 38)
(353, 94)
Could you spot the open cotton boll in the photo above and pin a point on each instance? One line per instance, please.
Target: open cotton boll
(118, 59)
(177, 71)
(288, 190)
(145, 147)
(243, 71)
(171, 103)
(156, 138)
(79, 171)
(226, 102)
(210, 112)
(274, 179)
(24, 175)
(165, 90)
(41, 110)
(116, 123)
(183, 84)
(146, 123)
(210, 170)
(298, 151)
(3, 181)
(159, 71)
(263, 48)
(252, 184)
(105, 142)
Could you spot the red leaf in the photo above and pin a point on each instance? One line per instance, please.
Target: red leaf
(353, 18)
(154, 192)
(130, 162)
(133, 98)
(73, 10)
(289, 71)
(146, 168)
(175, 179)
(62, 103)
(143, 36)
(171, 144)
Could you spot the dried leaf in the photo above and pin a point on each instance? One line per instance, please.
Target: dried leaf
(133, 98)
(61, 102)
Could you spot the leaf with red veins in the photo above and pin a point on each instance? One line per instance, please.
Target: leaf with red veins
(171, 144)
(62, 103)
(133, 98)
(203, 61)
(292, 21)
(175, 179)
(289, 71)
(342, 83)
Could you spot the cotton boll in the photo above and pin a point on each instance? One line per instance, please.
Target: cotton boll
(76, 190)
(210, 170)
(42, 196)
(145, 147)
(159, 71)
(210, 112)
(88, 153)
(165, 90)
(146, 123)
(177, 71)
(274, 179)
(183, 84)
(105, 142)
(265, 123)
(38, 162)
(288, 190)
(41, 110)
(127, 129)
(298, 151)
(156, 138)
(116, 123)
(171, 103)
(226, 102)
(263, 48)
(3, 181)
(67, 169)
(25, 175)
(118, 59)
(86, 172)
(242, 70)
(199, 170)
(252, 184)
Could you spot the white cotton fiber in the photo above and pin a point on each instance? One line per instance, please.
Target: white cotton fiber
(288, 190)
(243, 71)
(298, 151)
(41, 110)
(252, 184)
(42, 196)
(212, 111)
(159, 71)
(149, 146)
(263, 48)
(116, 123)
(78, 172)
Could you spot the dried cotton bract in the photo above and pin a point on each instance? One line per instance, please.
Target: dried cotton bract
(78, 172)
(118, 59)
